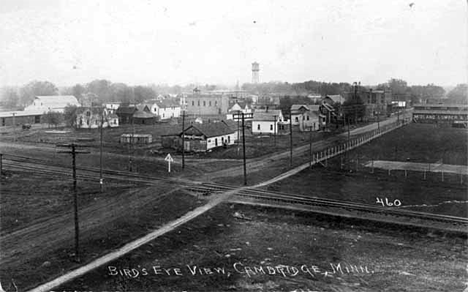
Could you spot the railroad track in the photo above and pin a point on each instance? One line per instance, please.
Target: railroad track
(392, 215)
(42, 167)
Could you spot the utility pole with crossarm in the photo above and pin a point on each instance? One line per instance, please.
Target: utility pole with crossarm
(74, 152)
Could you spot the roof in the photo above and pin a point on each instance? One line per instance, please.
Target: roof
(56, 100)
(296, 107)
(209, 130)
(167, 103)
(239, 105)
(336, 98)
(262, 115)
(143, 115)
(20, 114)
(125, 109)
(142, 107)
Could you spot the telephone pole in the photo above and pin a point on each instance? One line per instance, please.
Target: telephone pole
(183, 139)
(310, 147)
(291, 139)
(101, 181)
(74, 152)
(274, 129)
(243, 150)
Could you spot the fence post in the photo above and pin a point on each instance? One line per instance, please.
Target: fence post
(406, 173)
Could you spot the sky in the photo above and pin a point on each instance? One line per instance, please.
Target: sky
(215, 42)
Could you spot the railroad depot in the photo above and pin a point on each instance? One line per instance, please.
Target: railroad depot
(202, 137)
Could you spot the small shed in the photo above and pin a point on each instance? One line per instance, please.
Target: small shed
(136, 138)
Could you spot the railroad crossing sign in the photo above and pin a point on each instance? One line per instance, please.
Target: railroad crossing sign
(169, 159)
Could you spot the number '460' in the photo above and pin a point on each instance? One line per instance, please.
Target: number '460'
(396, 202)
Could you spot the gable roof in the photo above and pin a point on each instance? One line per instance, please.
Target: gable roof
(209, 130)
(262, 115)
(125, 109)
(296, 107)
(56, 100)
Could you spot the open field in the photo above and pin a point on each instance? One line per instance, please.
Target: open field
(45, 248)
(274, 250)
(352, 181)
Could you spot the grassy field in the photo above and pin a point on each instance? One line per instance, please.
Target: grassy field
(351, 181)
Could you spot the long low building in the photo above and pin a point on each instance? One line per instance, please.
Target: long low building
(441, 113)
(17, 118)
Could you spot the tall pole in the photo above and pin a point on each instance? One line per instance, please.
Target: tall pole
(101, 182)
(291, 139)
(274, 129)
(183, 139)
(310, 147)
(378, 121)
(14, 127)
(243, 150)
(75, 203)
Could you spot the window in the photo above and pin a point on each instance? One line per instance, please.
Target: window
(210, 102)
(297, 119)
(258, 127)
(204, 103)
(229, 139)
(271, 127)
(216, 141)
(308, 117)
(216, 103)
(193, 103)
(198, 103)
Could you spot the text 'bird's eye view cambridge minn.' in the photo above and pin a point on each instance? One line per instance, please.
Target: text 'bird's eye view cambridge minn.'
(270, 145)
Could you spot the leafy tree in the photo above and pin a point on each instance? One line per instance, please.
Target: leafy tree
(10, 97)
(52, 119)
(102, 88)
(78, 90)
(28, 91)
(69, 115)
(459, 94)
(143, 93)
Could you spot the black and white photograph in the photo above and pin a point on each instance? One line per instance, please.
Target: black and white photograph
(270, 145)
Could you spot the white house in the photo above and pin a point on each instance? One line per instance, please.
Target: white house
(237, 108)
(111, 107)
(52, 103)
(91, 118)
(203, 137)
(305, 116)
(165, 109)
(266, 121)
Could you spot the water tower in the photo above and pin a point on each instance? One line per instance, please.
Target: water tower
(255, 72)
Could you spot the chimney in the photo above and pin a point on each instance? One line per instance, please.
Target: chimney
(266, 109)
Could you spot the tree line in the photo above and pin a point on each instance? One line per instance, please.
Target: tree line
(101, 91)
